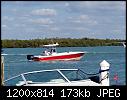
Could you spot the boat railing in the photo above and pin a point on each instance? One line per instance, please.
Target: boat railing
(12, 78)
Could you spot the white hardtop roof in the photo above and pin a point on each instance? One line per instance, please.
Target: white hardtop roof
(51, 45)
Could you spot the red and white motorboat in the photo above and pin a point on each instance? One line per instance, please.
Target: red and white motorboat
(51, 54)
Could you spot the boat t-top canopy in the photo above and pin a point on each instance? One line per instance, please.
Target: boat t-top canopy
(51, 45)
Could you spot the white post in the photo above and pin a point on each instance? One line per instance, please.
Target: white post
(104, 73)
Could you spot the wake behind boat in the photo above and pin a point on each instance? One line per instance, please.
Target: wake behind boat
(51, 54)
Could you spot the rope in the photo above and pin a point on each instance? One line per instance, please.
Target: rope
(106, 76)
(94, 73)
(88, 73)
(103, 70)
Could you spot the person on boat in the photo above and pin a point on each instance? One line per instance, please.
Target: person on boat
(53, 50)
(46, 53)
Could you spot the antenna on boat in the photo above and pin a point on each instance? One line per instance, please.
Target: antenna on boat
(104, 73)
(52, 41)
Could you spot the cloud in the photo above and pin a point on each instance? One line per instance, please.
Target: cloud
(6, 18)
(20, 25)
(54, 29)
(87, 17)
(4, 26)
(66, 4)
(44, 12)
(98, 7)
(14, 10)
(45, 25)
(103, 4)
(118, 31)
(81, 29)
(84, 19)
(42, 21)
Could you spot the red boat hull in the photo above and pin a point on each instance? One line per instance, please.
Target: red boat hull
(60, 57)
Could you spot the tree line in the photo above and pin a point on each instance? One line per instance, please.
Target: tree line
(63, 42)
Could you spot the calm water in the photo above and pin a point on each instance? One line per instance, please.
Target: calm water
(16, 62)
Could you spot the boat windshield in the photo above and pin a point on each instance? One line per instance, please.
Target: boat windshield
(74, 75)
(52, 76)
(48, 76)
(13, 81)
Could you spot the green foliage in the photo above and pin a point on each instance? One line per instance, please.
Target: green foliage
(64, 42)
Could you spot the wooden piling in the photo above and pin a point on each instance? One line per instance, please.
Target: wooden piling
(2, 70)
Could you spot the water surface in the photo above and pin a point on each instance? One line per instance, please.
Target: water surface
(16, 62)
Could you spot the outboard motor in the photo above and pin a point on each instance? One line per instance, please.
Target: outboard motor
(30, 57)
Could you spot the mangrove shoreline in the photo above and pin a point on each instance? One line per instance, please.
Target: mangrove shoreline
(63, 42)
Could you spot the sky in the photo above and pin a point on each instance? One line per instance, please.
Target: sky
(63, 19)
